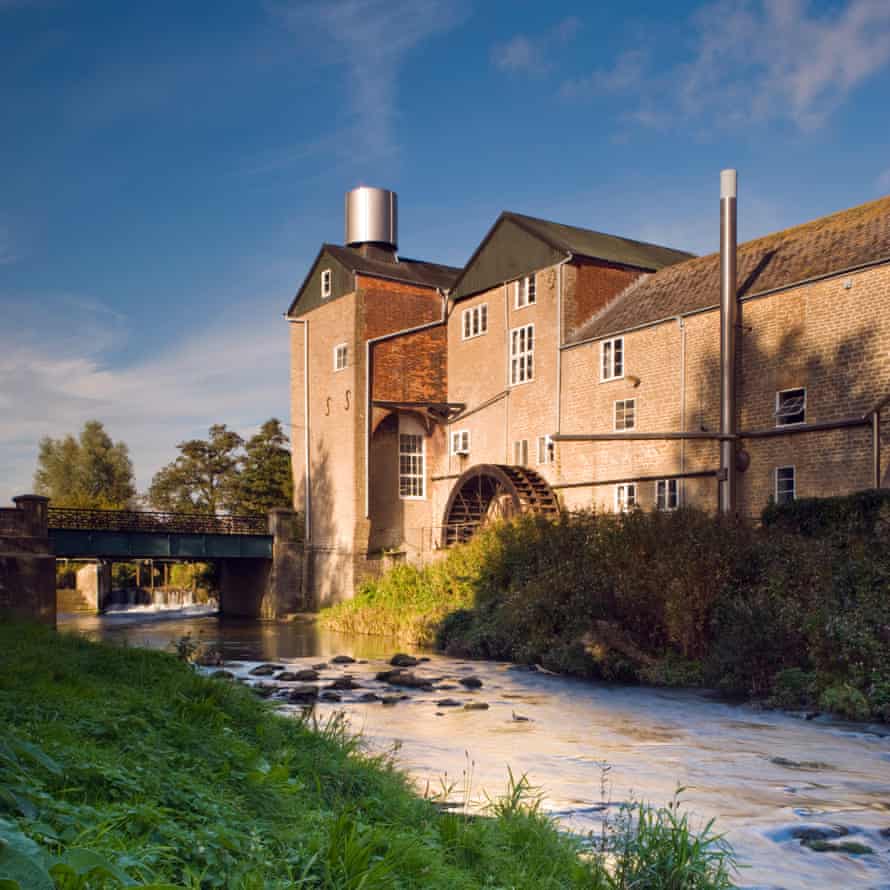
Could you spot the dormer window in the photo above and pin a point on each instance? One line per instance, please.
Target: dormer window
(526, 291)
(325, 283)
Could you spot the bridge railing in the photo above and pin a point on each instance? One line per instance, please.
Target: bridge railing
(138, 521)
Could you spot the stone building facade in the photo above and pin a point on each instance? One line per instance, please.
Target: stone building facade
(585, 367)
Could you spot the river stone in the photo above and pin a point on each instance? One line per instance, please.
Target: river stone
(266, 670)
(819, 834)
(798, 764)
(304, 676)
(423, 658)
(390, 699)
(850, 847)
(342, 659)
(476, 706)
(448, 703)
(401, 660)
(471, 682)
(344, 683)
(222, 675)
(885, 832)
(446, 687)
(409, 680)
(305, 693)
(264, 689)
(368, 697)
(319, 667)
(328, 695)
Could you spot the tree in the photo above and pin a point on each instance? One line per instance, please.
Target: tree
(204, 478)
(265, 480)
(90, 472)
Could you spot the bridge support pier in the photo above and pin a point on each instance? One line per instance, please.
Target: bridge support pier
(27, 565)
(258, 588)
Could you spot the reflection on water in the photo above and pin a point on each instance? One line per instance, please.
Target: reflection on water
(754, 772)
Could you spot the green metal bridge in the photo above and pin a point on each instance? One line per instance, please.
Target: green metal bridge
(129, 534)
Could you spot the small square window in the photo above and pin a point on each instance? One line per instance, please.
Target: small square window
(625, 497)
(667, 494)
(612, 359)
(520, 453)
(545, 449)
(326, 283)
(791, 406)
(460, 442)
(625, 414)
(786, 485)
(526, 291)
(341, 356)
(474, 321)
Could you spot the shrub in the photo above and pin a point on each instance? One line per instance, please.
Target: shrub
(793, 688)
(846, 700)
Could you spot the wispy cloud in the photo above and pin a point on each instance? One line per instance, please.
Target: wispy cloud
(52, 380)
(626, 74)
(372, 38)
(524, 54)
(758, 61)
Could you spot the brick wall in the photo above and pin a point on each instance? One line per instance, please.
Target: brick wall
(589, 286)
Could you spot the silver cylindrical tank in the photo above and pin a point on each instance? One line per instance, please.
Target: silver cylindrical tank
(372, 217)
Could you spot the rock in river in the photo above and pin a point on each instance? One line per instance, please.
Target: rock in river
(400, 660)
(304, 694)
(342, 659)
(329, 695)
(304, 676)
(407, 680)
(266, 670)
(448, 703)
(345, 683)
(471, 682)
(476, 706)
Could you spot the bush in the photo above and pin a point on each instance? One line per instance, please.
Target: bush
(862, 514)
(846, 700)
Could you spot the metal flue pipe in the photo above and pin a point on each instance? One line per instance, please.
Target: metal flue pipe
(728, 328)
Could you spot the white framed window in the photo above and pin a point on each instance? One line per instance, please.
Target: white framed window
(786, 485)
(520, 452)
(791, 406)
(522, 354)
(341, 356)
(625, 497)
(546, 449)
(667, 494)
(612, 359)
(526, 291)
(474, 321)
(412, 467)
(325, 283)
(625, 414)
(460, 442)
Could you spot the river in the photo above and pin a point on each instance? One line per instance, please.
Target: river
(761, 775)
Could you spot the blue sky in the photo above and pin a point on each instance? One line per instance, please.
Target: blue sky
(168, 170)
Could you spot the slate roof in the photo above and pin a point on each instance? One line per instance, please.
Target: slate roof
(824, 246)
(598, 245)
(411, 271)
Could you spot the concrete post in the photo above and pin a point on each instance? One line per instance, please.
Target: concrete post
(27, 566)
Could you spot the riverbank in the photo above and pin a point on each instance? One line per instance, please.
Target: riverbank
(124, 762)
(795, 615)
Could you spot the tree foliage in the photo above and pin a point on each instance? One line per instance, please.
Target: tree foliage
(265, 480)
(203, 478)
(224, 474)
(90, 471)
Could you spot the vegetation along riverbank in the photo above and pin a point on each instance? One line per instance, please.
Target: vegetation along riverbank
(795, 612)
(123, 767)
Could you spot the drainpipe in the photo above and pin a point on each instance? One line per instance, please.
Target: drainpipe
(728, 320)
(507, 459)
(368, 374)
(681, 323)
(559, 279)
(307, 474)
(876, 448)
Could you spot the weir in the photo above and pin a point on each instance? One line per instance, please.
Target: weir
(260, 557)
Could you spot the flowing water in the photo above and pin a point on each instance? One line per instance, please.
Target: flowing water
(763, 776)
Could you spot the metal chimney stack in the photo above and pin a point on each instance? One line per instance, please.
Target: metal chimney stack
(372, 222)
(728, 328)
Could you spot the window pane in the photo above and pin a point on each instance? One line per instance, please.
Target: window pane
(607, 360)
(618, 367)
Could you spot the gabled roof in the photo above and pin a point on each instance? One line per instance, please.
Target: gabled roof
(600, 246)
(510, 235)
(432, 275)
(409, 271)
(825, 246)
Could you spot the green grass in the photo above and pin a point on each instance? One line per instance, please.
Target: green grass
(123, 767)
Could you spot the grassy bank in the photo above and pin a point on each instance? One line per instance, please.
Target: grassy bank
(796, 613)
(122, 767)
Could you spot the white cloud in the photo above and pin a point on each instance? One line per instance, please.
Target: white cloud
(372, 39)
(533, 55)
(626, 74)
(234, 371)
(762, 60)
